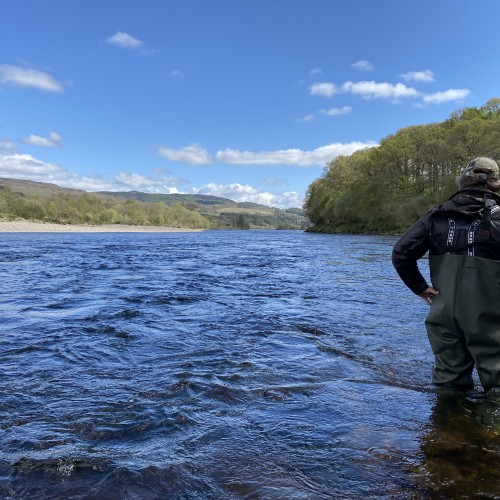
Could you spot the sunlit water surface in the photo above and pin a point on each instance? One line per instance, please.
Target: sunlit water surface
(225, 365)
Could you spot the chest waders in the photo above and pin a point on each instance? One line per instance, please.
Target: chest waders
(463, 324)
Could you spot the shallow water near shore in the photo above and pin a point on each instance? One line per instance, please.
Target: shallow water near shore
(228, 365)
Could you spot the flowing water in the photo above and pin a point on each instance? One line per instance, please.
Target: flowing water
(226, 365)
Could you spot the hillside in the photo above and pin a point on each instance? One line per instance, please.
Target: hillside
(52, 203)
(37, 189)
(225, 213)
(170, 199)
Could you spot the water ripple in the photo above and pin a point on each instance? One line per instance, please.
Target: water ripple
(225, 364)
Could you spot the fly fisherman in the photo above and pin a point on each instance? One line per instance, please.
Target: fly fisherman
(462, 237)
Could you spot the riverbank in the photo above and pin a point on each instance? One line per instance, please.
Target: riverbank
(26, 226)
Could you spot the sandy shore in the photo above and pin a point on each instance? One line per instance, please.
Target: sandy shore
(26, 226)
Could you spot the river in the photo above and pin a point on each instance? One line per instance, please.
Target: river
(226, 365)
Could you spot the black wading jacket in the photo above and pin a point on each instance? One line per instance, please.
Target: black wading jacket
(468, 224)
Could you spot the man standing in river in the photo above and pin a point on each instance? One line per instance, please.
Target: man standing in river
(462, 237)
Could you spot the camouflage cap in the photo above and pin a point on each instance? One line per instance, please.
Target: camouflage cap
(481, 167)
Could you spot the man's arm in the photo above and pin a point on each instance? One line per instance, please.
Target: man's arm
(405, 254)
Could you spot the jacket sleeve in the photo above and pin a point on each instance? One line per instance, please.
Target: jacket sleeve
(406, 252)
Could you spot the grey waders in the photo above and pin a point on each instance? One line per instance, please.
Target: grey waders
(463, 323)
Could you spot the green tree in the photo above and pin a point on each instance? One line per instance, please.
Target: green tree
(242, 222)
(384, 189)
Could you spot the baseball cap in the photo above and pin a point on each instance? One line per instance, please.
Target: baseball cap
(481, 167)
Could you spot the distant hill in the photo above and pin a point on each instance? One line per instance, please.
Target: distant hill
(37, 189)
(30, 199)
(225, 213)
(170, 199)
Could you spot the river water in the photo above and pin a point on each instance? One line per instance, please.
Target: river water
(226, 365)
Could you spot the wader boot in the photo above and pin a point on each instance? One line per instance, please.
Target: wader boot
(463, 323)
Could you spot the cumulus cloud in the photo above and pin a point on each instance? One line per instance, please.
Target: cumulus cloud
(365, 89)
(242, 192)
(196, 155)
(394, 92)
(125, 41)
(192, 155)
(323, 89)
(446, 96)
(53, 140)
(376, 90)
(24, 166)
(337, 111)
(363, 66)
(424, 76)
(293, 157)
(28, 77)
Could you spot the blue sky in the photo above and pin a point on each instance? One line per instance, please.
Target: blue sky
(246, 99)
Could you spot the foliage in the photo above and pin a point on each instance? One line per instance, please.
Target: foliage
(170, 199)
(68, 208)
(386, 188)
(51, 203)
(224, 213)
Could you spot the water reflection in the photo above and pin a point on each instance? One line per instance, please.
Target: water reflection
(461, 446)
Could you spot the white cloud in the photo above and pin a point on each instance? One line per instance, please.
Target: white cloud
(446, 96)
(134, 181)
(365, 89)
(124, 40)
(363, 66)
(376, 90)
(424, 76)
(337, 111)
(390, 91)
(171, 190)
(28, 77)
(293, 157)
(242, 192)
(27, 167)
(307, 118)
(52, 141)
(196, 155)
(23, 166)
(192, 155)
(323, 89)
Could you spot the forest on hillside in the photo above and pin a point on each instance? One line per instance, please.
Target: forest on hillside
(387, 188)
(51, 203)
(65, 208)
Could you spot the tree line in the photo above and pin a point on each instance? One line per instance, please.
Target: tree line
(385, 189)
(64, 208)
(280, 219)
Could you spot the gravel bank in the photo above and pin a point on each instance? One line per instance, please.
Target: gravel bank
(26, 226)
